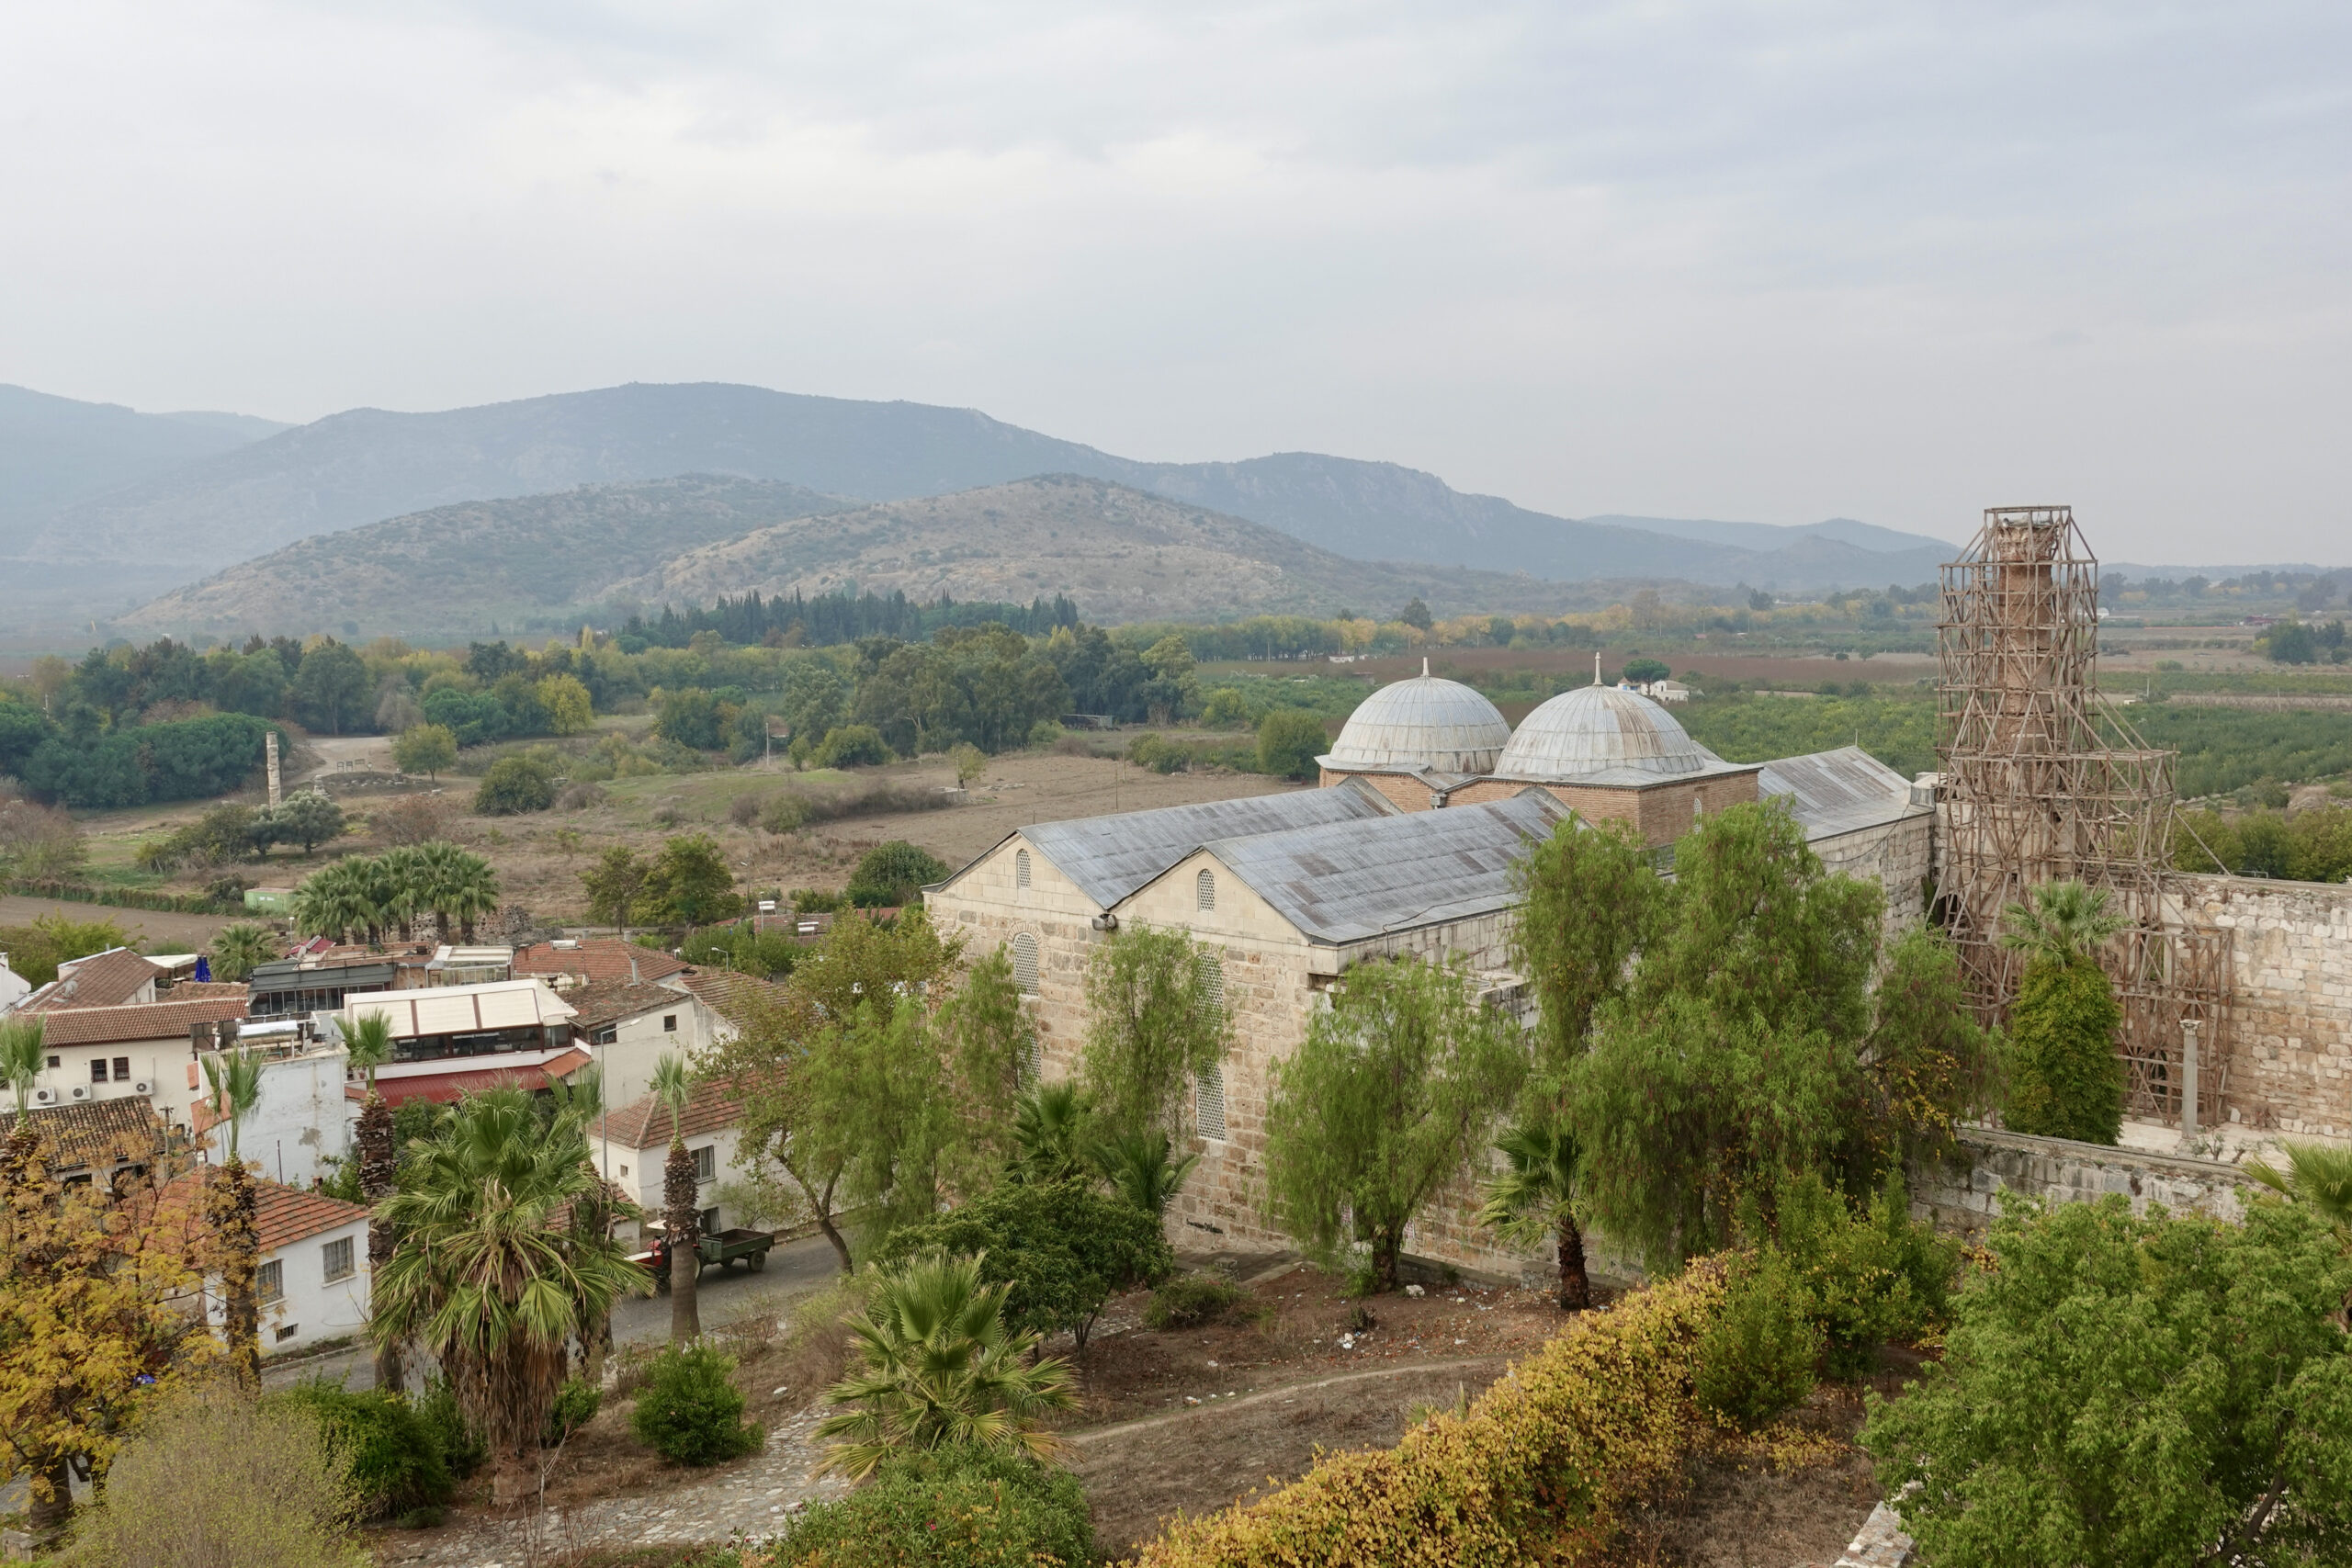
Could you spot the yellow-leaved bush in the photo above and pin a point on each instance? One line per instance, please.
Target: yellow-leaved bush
(1537, 1471)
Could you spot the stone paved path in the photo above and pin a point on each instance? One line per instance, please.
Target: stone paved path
(753, 1500)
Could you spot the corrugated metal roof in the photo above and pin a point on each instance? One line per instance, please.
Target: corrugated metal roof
(1595, 727)
(1110, 857)
(1426, 722)
(1348, 880)
(1838, 792)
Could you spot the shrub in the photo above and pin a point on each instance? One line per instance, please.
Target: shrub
(1192, 1299)
(515, 785)
(215, 1477)
(1289, 740)
(1541, 1468)
(781, 814)
(854, 746)
(951, 1507)
(389, 1455)
(1159, 753)
(1868, 1277)
(436, 1407)
(2065, 1079)
(427, 748)
(893, 875)
(1758, 1357)
(689, 1410)
(576, 1404)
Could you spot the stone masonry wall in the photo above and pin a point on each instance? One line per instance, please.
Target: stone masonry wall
(1896, 856)
(1405, 793)
(1964, 1198)
(2287, 1048)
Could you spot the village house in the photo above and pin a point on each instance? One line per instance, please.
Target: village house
(311, 1281)
(451, 1040)
(146, 1051)
(628, 1028)
(101, 1140)
(631, 1147)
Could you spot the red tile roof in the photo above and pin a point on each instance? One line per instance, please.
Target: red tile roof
(282, 1215)
(597, 958)
(732, 997)
(202, 990)
(711, 1107)
(98, 1131)
(124, 1025)
(104, 980)
(600, 1002)
(443, 1089)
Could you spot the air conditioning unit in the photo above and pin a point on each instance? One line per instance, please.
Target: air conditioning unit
(44, 1097)
(80, 1091)
(142, 1087)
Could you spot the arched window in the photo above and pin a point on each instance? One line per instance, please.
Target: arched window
(1024, 962)
(1020, 868)
(1208, 1102)
(1211, 972)
(1204, 890)
(1033, 1063)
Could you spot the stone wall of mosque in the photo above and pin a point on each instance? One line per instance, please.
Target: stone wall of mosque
(2287, 1036)
(1661, 813)
(1899, 856)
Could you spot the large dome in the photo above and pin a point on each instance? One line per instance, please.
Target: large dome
(1425, 722)
(1597, 729)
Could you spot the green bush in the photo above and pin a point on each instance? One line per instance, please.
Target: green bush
(2065, 1080)
(515, 785)
(576, 1404)
(1289, 740)
(1868, 1278)
(951, 1507)
(1204, 1296)
(854, 746)
(1758, 1357)
(689, 1410)
(436, 1407)
(893, 875)
(389, 1455)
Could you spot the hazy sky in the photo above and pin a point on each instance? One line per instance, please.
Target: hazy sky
(1774, 262)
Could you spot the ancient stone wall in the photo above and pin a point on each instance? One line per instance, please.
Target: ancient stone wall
(2287, 1046)
(1897, 856)
(1965, 1197)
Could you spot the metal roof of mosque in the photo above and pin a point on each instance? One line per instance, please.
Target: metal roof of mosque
(1350, 881)
(1110, 857)
(1424, 722)
(1595, 729)
(1836, 792)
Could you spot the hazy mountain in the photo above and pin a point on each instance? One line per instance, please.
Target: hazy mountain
(529, 562)
(538, 562)
(1774, 536)
(54, 451)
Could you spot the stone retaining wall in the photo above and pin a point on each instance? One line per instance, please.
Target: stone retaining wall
(1964, 1199)
(2288, 1039)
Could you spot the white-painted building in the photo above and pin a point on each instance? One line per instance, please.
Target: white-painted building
(303, 1119)
(627, 1028)
(312, 1281)
(144, 1051)
(631, 1147)
(13, 988)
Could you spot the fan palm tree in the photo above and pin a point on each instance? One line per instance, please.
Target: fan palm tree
(581, 1099)
(1141, 1167)
(2316, 1175)
(465, 888)
(238, 950)
(234, 1077)
(2065, 922)
(680, 1202)
(1533, 1201)
(487, 1278)
(1049, 1133)
(330, 902)
(369, 1041)
(940, 1367)
(410, 881)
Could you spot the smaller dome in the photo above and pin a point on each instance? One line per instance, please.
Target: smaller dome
(1594, 728)
(1425, 722)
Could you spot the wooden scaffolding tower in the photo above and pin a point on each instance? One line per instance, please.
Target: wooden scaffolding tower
(2044, 781)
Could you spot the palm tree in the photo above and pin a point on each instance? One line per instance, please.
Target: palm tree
(1049, 1131)
(580, 1098)
(1535, 1200)
(465, 888)
(940, 1367)
(235, 1080)
(2316, 1175)
(486, 1277)
(411, 882)
(680, 1203)
(330, 903)
(238, 950)
(1141, 1166)
(368, 1041)
(2065, 922)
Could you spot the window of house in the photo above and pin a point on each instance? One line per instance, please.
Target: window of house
(55, 1062)
(705, 1162)
(1020, 868)
(337, 1256)
(1204, 891)
(708, 1222)
(269, 1282)
(1025, 962)
(1208, 1102)
(668, 1024)
(122, 1069)
(287, 1331)
(607, 1035)
(98, 1069)
(1212, 972)
(624, 1170)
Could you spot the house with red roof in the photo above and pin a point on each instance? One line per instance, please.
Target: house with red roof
(140, 1050)
(631, 1147)
(312, 1280)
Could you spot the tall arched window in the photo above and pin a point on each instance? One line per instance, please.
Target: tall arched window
(1204, 890)
(1024, 962)
(1020, 868)
(1211, 972)
(1208, 1102)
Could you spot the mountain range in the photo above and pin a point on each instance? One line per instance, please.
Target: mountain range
(74, 544)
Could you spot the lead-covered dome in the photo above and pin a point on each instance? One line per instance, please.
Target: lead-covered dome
(1425, 722)
(1595, 729)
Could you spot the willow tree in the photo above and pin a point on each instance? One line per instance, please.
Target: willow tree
(1155, 1019)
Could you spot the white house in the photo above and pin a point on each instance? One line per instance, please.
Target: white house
(628, 1027)
(631, 1147)
(145, 1051)
(312, 1279)
(13, 988)
(303, 1119)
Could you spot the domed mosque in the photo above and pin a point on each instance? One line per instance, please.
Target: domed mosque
(1608, 752)
(1414, 739)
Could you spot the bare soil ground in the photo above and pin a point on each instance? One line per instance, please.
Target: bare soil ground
(155, 930)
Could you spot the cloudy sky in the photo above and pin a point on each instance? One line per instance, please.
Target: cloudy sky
(1780, 262)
